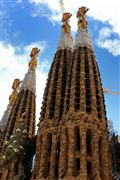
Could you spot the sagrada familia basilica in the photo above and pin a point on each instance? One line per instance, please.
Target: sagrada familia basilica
(72, 138)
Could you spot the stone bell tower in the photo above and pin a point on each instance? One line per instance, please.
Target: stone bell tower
(48, 136)
(84, 151)
(24, 101)
(72, 140)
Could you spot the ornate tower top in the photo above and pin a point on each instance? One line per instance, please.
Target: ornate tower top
(65, 20)
(83, 38)
(33, 61)
(82, 23)
(29, 82)
(15, 87)
(66, 40)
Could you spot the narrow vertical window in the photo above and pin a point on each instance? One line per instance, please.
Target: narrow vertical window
(77, 152)
(76, 167)
(77, 139)
(87, 81)
(63, 83)
(77, 82)
(88, 142)
(66, 153)
(89, 169)
(57, 161)
(100, 155)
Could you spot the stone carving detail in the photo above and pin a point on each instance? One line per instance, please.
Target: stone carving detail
(33, 61)
(15, 88)
(66, 40)
(65, 20)
(82, 23)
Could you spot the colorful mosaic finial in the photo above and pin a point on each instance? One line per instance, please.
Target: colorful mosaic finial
(33, 61)
(15, 87)
(82, 23)
(65, 20)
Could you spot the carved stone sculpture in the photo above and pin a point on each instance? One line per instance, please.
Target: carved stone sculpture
(82, 23)
(15, 87)
(33, 61)
(65, 19)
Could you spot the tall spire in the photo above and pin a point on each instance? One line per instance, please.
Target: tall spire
(66, 40)
(56, 84)
(88, 147)
(83, 38)
(29, 82)
(53, 99)
(25, 102)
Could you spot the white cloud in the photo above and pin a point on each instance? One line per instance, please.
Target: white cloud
(113, 46)
(14, 64)
(105, 32)
(103, 10)
(105, 40)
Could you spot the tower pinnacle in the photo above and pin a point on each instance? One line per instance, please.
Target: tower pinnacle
(29, 82)
(65, 20)
(82, 23)
(83, 38)
(66, 40)
(12, 99)
(15, 88)
(33, 61)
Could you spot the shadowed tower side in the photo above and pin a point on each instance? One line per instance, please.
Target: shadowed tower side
(25, 102)
(48, 136)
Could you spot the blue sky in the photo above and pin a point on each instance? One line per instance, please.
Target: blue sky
(28, 23)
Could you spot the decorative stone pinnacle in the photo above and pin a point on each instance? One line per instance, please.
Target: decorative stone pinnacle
(15, 87)
(29, 81)
(65, 20)
(33, 61)
(82, 23)
(66, 40)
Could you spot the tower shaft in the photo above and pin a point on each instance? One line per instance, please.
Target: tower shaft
(53, 106)
(53, 103)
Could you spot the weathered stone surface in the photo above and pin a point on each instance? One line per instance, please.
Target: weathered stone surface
(25, 102)
(72, 160)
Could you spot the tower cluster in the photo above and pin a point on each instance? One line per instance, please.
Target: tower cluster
(72, 139)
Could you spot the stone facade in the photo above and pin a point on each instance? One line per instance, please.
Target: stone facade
(72, 140)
